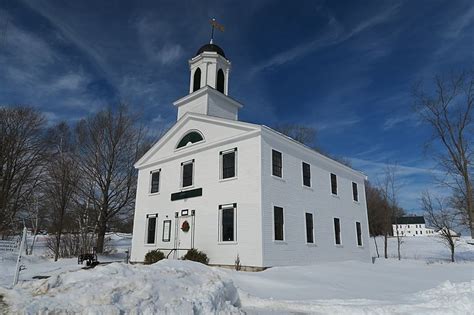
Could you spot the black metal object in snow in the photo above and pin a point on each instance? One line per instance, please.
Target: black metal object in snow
(89, 258)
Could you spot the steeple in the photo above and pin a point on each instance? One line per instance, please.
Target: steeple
(209, 73)
(209, 67)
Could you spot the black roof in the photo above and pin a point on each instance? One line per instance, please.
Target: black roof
(211, 47)
(411, 220)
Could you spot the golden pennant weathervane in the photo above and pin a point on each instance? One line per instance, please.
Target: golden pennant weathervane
(214, 25)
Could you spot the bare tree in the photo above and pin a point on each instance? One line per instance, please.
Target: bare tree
(375, 207)
(443, 218)
(109, 144)
(449, 111)
(21, 161)
(301, 133)
(389, 188)
(62, 180)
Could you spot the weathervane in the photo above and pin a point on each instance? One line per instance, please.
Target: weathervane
(214, 24)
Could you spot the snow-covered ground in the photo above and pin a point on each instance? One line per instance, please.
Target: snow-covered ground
(423, 282)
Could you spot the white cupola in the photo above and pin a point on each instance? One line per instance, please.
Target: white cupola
(209, 85)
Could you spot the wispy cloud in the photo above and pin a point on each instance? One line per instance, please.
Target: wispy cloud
(156, 38)
(396, 120)
(334, 34)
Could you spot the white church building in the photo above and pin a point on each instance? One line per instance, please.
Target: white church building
(228, 188)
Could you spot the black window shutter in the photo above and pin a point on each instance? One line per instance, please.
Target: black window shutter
(228, 165)
(309, 228)
(334, 184)
(188, 174)
(151, 230)
(355, 193)
(306, 174)
(278, 223)
(276, 163)
(337, 230)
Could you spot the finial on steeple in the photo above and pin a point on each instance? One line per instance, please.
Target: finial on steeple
(214, 24)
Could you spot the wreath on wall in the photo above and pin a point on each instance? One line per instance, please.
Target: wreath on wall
(185, 226)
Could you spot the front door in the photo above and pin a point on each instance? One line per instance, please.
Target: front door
(185, 232)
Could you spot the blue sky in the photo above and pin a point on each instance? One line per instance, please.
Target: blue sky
(344, 67)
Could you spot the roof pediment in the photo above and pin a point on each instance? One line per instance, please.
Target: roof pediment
(212, 129)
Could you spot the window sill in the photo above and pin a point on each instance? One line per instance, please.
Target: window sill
(360, 246)
(186, 188)
(154, 194)
(335, 196)
(227, 243)
(150, 245)
(339, 245)
(280, 242)
(308, 188)
(279, 178)
(356, 202)
(222, 180)
(311, 245)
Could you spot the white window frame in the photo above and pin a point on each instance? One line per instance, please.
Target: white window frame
(310, 175)
(306, 227)
(182, 173)
(221, 164)
(358, 195)
(220, 209)
(273, 224)
(271, 164)
(361, 236)
(163, 239)
(340, 231)
(151, 182)
(147, 218)
(330, 184)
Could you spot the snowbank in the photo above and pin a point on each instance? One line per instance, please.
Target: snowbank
(447, 298)
(167, 287)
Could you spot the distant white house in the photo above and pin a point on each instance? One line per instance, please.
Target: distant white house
(230, 188)
(411, 226)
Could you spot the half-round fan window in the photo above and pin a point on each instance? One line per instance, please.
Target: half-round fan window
(189, 138)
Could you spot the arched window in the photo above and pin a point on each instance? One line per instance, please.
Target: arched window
(220, 81)
(189, 138)
(197, 79)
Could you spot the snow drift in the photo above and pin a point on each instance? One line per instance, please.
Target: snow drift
(167, 287)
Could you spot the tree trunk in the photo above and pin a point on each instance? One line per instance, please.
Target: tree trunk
(376, 247)
(398, 245)
(56, 246)
(102, 228)
(385, 241)
(452, 253)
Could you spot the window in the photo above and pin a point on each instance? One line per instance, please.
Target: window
(220, 81)
(333, 184)
(359, 234)
(187, 170)
(306, 174)
(166, 230)
(278, 224)
(197, 79)
(309, 228)
(355, 192)
(228, 162)
(276, 163)
(337, 230)
(421, 232)
(151, 228)
(228, 222)
(190, 138)
(155, 181)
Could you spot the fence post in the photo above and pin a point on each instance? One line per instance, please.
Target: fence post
(18, 262)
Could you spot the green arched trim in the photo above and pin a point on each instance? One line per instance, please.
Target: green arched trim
(192, 137)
